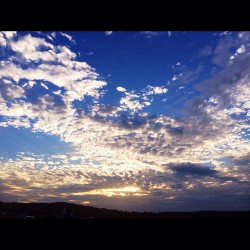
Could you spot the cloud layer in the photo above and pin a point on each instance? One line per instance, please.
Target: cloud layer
(154, 162)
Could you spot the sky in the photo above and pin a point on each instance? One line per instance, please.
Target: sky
(136, 121)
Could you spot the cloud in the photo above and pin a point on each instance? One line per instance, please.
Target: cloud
(241, 49)
(206, 51)
(9, 91)
(78, 78)
(118, 147)
(192, 169)
(108, 33)
(155, 90)
(121, 89)
(2, 40)
(6, 36)
(29, 43)
(150, 34)
(44, 86)
(130, 102)
(243, 160)
(226, 44)
(137, 101)
(9, 34)
(222, 83)
(70, 38)
(101, 110)
(174, 78)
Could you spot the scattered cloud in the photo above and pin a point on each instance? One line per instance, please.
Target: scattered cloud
(108, 33)
(2, 40)
(241, 49)
(175, 77)
(121, 89)
(155, 90)
(69, 37)
(150, 34)
(122, 149)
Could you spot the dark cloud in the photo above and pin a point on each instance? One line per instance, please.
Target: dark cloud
(192, 169)
(131, 122)
(225, 46)
(197, 123)
(242, 160)
(175, 130)
(184, 170)
(220, 83)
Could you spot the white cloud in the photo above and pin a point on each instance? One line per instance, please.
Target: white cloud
(53, 34)
(121, 89)
(50, 37)
(137, 101)
(130, 102)
(241, 49)
(169, 33)
(71, 79)
(29, 84)
(108, 33)
(175, 77)
(155, 90)
(44, 86)
(9, 91)
(2, 40)
(158, 90)
(58, 92)
(69, 37)
(30, 48)
(28, 44)
(78, 78)
(9, 34)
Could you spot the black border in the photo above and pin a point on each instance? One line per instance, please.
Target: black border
(124, 16)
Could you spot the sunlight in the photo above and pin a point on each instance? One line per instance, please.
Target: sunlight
(125, 191)
(119, 191)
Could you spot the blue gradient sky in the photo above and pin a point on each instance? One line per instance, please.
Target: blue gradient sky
(141, 121)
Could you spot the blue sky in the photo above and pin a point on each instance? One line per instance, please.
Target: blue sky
(147, 121)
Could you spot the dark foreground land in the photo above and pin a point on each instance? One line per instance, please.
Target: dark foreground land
(62, 210)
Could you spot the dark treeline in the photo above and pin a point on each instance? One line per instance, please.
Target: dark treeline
(62, 210)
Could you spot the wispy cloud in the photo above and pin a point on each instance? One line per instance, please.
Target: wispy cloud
(69, 37)
(150, 34)
(108, 33)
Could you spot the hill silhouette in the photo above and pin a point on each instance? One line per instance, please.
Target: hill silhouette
(63, 210)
